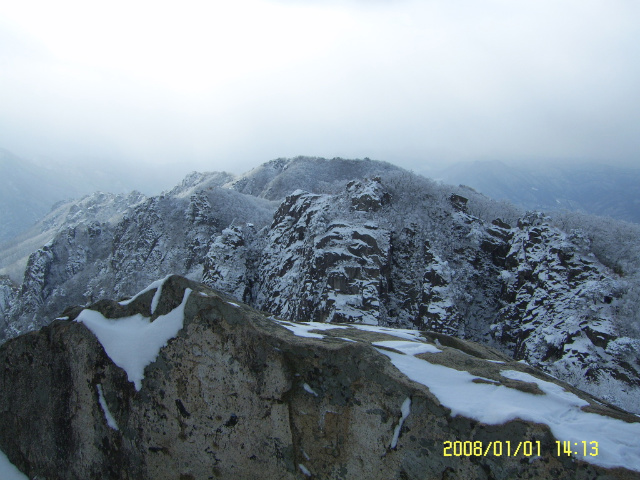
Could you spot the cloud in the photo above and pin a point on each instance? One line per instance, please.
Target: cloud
(242, 82)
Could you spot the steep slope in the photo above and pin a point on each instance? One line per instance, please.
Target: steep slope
(8, 293)
(300, 400)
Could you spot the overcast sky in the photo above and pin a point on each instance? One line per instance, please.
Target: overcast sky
(227, 85)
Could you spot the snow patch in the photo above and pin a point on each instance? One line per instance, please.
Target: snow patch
(310, 390)
(409, 348)
(405, 410)
(619, 441)
(105, 409)
(304, 470)
(396, 332)
(134, 342)
(303, 329)
(156, 297)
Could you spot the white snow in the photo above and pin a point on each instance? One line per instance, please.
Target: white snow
(396, 332)
(304, 470)
(134, 342)
(618, 441)
(405, 409)
(310, 390)
(156, 297)
(234, 304)
(105, 409)
(303, 329)
(410, 348)
(8, 471)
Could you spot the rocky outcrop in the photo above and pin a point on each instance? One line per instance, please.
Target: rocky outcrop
(8, 292)
(560, 305)
(316, 268)
(238, 394)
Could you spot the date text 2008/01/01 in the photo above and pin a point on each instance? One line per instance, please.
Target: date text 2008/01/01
(513, 449)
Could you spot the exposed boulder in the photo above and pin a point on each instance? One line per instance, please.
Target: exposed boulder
(237, 394)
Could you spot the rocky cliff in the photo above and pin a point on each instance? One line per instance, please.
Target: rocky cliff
(182, 381)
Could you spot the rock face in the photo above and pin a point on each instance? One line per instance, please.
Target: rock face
(237, 394)
(8, 292)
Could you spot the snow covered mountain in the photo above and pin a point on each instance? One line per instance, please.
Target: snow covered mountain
(29, 188)
(361, 241)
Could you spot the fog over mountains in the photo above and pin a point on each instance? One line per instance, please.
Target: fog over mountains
(595, 188)
(29, 188)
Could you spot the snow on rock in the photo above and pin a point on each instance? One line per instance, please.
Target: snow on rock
(157, 286)
(303, 329)
(8, 293)
(304, 470)
(396, 332)
(373, 393)
(360, 242)
(310, 390)
(105, 409)
(490, 403)
(227, 264)
(134, 342)
(405, 409)
(410, 348)
(315, 266)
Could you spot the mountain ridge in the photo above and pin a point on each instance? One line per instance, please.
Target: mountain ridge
(388, 248)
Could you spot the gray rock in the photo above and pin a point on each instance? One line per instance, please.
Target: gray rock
(235, 395)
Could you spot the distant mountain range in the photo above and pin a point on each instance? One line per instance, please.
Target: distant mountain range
(29, 189)
(598, 189)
